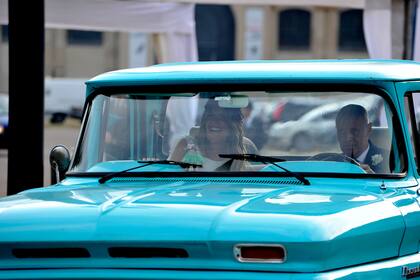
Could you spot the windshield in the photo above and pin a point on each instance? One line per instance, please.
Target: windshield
(308, 132)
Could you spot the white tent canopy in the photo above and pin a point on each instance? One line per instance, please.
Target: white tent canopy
(174, 20)
(115, 15)
(146, 16)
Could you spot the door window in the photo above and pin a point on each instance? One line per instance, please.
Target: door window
(412, 109)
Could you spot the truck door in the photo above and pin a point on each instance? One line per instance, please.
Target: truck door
(409, 104)
(409, 99)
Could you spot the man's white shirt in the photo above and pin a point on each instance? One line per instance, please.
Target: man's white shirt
(363, 155)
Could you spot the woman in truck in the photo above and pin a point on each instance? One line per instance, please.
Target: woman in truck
(220, 132)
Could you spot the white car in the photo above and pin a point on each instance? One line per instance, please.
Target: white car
(64, 97)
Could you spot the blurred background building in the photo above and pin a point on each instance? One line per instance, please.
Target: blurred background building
(223, 33)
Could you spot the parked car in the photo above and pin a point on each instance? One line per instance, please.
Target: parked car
(212, 206)
(64, 97)
(4, 120)
(310, 130)
(293, 108)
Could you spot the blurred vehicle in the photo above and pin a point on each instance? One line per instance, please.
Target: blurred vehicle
(4, 120)
(316, 128)
(64, 98)
(293, 109)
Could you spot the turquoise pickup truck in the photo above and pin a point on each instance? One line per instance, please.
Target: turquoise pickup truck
(181, 172)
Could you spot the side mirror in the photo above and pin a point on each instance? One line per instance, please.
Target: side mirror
(60, 162)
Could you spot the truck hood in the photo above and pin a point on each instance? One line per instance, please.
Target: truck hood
(321, 226)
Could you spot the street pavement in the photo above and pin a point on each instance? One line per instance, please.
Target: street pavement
(65, 134)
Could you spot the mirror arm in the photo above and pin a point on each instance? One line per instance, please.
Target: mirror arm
(55, 173)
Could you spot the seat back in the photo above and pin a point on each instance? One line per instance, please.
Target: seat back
(380, 136)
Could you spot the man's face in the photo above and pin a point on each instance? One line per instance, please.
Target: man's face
(353, 135)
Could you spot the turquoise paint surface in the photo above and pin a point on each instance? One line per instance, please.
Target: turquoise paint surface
(244, 72)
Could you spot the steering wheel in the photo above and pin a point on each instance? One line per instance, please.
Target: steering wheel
(334, 157)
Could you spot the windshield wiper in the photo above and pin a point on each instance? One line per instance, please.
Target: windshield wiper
(264, 159)
(147, 163)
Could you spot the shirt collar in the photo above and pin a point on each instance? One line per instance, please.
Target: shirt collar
(363, 155)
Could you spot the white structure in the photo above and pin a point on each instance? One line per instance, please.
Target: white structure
(174, 22)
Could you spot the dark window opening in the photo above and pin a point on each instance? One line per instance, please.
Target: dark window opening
(294, 29)
(215, 28)
(90, 38)
(351, 36)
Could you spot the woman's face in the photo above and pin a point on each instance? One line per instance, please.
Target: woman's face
(217, 129)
